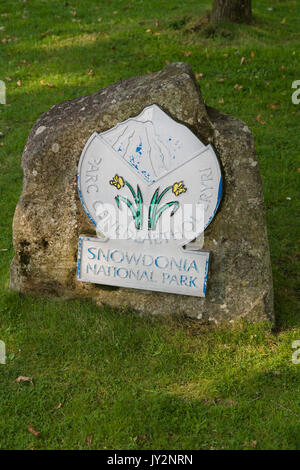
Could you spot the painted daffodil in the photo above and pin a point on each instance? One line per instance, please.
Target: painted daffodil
(178, 188)
(117, 181)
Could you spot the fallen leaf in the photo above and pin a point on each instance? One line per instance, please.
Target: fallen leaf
(149, 31)
(199, 75)
(8, 79)
(187, 53)
(167, 62)
(225, 55)
(238, 87)
(45, 34)
(282, 67)
(33, 431)
(283, 21)
(19, 83)
(46, 83)
(89, 439)
(58, 406)
(23, 378)
(258, 119)
(252, 53)
(221, 80)
(99, 20)
(221, 101)
(142, 437)
(90, 72)
(242, 60)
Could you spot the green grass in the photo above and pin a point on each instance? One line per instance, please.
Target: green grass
(108, 379)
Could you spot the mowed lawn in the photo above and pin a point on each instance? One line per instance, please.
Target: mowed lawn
(104, 379)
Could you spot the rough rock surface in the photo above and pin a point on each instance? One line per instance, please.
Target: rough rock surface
(49, 216)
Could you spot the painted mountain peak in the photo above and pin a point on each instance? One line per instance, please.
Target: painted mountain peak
(153, 143)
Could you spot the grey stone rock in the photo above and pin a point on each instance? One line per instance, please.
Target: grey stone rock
(49, 216)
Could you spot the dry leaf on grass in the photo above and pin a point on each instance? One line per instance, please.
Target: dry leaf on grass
(23, 378)
(258, 119)
(33, 431)
(89, 439)
(251, 444)
(45, 34)
(46, 84)
(187, 53)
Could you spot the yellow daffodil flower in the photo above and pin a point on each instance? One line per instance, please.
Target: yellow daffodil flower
(117, 181)
(178, 188)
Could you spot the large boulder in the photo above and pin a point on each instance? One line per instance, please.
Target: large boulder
(49, 216)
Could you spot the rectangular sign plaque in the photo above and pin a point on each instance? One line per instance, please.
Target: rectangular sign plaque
(151, 268)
